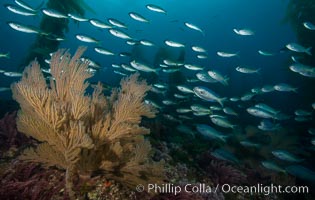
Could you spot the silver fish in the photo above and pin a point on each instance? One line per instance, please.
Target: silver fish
(208, 95)
(309, 26)
(85, 38)
(120, 34)
(25, 6)
(198, 49)
(299, 48)
(20, 11)
(24, 28)
(155, 8)
(138, 17)
(173, 43)
(226, 54)
(13, 74)
(117, 23)
(99, 24)
(244, 32)
(265, 53)
(142, 67)
(285, 155)
(103, 51)
(222, 121)
(5, 55)
(258, 112)
(219, 77)
(193, 67)
(194, 27)
(247, 70)
(204, 76)
(54, 13)
(184, 89)
(210, 132)
(283, 87)
(77, 18)
(3, 89)
(272, 166)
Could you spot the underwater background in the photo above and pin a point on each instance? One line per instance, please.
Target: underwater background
(246, 119)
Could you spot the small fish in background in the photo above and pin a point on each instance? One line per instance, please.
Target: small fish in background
(147, 43)
(3, 89)
(121, 34)
(301, 112)
(222, 121)
(304, 70)
(227, 54)
(202, 56)
(258, 112)
(24, 28)
(204, 77)
(131, 69)
(193, 67)
(155, 8)
(284, 87)
(247, 143)
(138, 17)
(174, 44)
(311, 131)
(208, 95)
(200, 108)
(152, 103)
(143, 67)
(13, 74)
(99, 24)
(117, 23)
(309, 26)
(27, 7)
(223, 154)
(210, 133)
(103, 51)
(246, 70)
(267, 88)
(244, 32)
(184, 89)
(198, 49)
(54, 13)
(286, 156)
(86, 38)
(19, 11)
(268, 125)
(272, 166)
(194, 27)
(5, 55)
(299, 48)
(229, 111)
(265, 53)
(77, 17)
(219, 77)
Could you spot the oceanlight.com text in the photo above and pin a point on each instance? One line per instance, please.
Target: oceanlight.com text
(170, 188)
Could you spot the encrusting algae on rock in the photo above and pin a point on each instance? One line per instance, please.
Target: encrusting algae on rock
(82, 133)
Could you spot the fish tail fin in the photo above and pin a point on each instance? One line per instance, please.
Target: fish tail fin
(258, 71)
(308, 51)
(7, 55)
(295, 90)
(226, 81)
(220, 101)
(156, 71)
